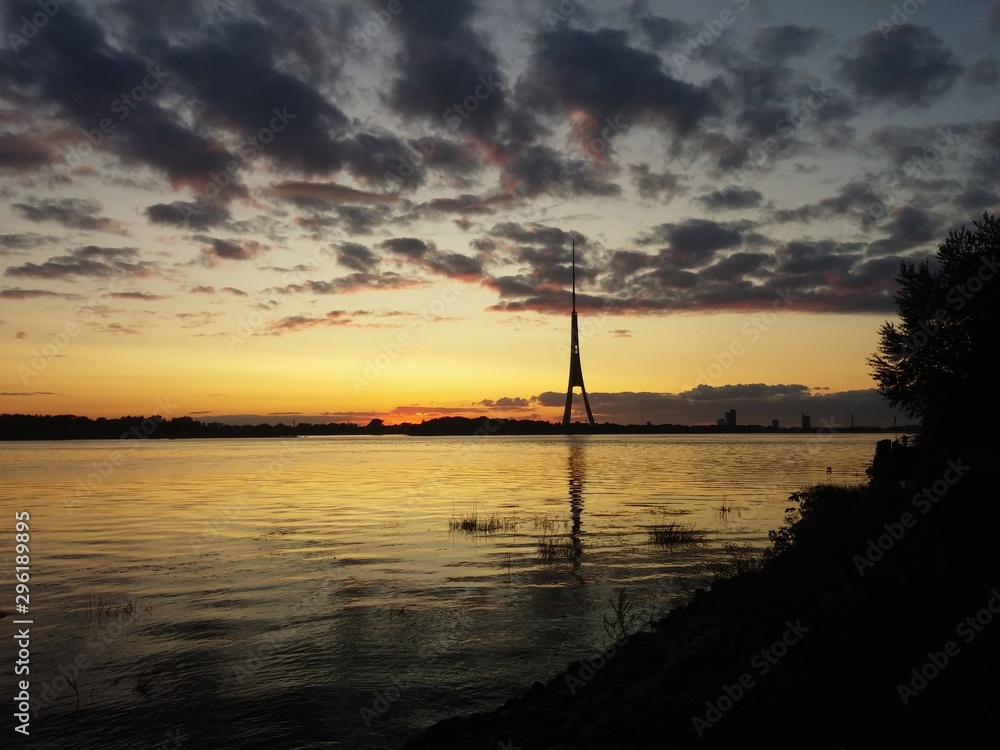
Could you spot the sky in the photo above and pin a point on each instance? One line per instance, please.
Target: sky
(342, 210)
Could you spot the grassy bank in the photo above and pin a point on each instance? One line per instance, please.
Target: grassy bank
(852, 632)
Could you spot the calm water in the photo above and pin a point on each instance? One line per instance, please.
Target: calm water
(262, 593)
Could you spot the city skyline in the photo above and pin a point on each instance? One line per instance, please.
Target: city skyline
(341, 211)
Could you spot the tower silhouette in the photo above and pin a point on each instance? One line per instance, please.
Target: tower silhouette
(575, 369)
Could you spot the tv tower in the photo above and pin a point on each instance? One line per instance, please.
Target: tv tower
(575, 369)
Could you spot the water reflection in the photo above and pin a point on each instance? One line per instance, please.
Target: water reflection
(577, 468)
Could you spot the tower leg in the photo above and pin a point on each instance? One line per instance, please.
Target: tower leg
(569, 406)
(586, 402)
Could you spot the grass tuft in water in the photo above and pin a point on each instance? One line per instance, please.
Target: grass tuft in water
(473, 523)
(551, 549)
(673, 534)
(97, 609)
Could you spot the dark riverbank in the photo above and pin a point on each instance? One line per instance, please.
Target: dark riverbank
(855, 632)
(70, 427)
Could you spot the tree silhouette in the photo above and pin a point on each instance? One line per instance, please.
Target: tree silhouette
(936, 363)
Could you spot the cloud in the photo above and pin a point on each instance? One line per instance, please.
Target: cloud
(533, 170)
(755, 403)
(599, 74)
(23, 241)
(778, 43)
(209, 289)
(83, 74)
(145, 296)
(409, 247)
(446, 74)
(322, 194)
(74, 213)
(18, 293)
(88, 261)
(295, 323)
(353, 282)
(855, 198)
(357, 257)
(653, 185)
(227, 250)
(234, 71)
(22, 153)
(984, 73)
(198, 215)
(909, 68)
(694, 242)
(731, 198)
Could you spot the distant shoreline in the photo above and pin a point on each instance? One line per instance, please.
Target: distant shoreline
(23, 427)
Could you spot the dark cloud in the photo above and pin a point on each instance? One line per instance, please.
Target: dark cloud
(354, 282)
(455, 265)
(706, 266)
(536, 234)
(983, 73)
(357, 257)
(23, 241)
(738, 266)
(410, 247)
(731, 198)
(777, 43)
(196, 215)
(914, 147)
(21, 153)
(228, 250)
(325, 194)
(910, 67)
(693, 241)
(447, 75)
(855, 199)
(653, 185)
(88, 261)
(615, 84)
(755, 403)
(209, 289)
(235, 74)
(506, 402)
(76, 69)
(534, 170)
(17, 293)
(975, 198)
(656, 31)
(907, 227)
(294, 323)
(144, 296)
(74, 213)
(353, 220)
(462, 204)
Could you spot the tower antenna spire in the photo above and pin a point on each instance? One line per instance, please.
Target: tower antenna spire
(575, 368)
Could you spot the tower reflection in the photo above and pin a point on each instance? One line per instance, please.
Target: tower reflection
(577, 471)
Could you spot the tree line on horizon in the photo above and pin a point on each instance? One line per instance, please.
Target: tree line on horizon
(15, 427)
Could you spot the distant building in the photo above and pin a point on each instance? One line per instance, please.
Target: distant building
(720, 422)
(774, 423)
(806, 422)
(731, 418)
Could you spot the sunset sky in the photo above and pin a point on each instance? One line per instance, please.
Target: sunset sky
(347, 210)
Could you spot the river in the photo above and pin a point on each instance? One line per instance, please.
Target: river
(322, 592)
